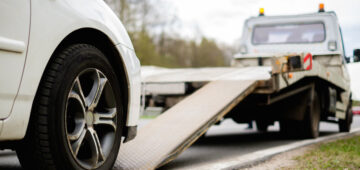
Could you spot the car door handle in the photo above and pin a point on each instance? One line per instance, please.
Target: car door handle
(11, 45)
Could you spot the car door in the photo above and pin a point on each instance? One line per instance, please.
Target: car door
(14, 36)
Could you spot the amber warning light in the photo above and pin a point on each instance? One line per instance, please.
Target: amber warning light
(321, 7)
(261, 12)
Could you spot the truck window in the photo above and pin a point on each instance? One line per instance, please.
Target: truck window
(288, 33)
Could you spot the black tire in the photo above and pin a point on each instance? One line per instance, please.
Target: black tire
(345, 125)
(309, 126)
(53, 136)
(312, 117)
(262, 126)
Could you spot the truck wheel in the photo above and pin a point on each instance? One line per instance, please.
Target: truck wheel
(311, 120)
(76, 121)
(345, 125)
(262, 126)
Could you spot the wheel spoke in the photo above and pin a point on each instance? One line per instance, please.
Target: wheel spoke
(96, 91)
(79, 89)
(77, 144)
(98, 155)
(79, 130)
(78, 115)
(106, 118)
(77, 93)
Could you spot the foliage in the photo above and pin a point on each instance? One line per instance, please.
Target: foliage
(147, 21)
(356, 103)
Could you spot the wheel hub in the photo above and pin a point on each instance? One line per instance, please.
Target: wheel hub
(89, 117)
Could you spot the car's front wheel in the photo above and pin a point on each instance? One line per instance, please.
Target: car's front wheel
(76, 121)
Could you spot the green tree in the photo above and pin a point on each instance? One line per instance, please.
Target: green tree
(209, 54)
(143, 18)
(145, 48)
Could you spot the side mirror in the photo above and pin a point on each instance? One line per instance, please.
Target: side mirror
(356, 55)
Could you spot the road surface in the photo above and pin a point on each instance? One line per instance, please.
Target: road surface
(230, 139)
(222, 141)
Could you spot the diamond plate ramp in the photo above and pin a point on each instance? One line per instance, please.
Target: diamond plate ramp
(164, 138)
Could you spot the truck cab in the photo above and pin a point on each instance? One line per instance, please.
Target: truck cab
(316, 33)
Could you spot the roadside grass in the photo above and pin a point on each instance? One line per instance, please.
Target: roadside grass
(148, 117)
(356, 103)
(341, 154)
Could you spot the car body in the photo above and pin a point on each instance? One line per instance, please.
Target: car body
(33, 31)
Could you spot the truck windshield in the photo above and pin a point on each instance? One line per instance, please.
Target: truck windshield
(288, 33)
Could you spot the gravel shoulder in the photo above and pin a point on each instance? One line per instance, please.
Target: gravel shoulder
(284, 160)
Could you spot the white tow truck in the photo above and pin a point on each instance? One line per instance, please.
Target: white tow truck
(291, 69)
(298, 99)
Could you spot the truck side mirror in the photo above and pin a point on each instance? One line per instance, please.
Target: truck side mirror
(356, 55)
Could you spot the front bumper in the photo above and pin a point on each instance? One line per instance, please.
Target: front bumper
(130, 133)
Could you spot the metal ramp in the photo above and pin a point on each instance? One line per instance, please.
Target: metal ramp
(160, 141)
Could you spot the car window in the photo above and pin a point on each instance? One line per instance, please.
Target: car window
(289, 33)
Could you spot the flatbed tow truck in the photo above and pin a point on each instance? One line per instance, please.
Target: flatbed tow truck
(291, 69)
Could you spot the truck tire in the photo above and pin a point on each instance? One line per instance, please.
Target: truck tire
(345, 125)
(312, 117)
(76, 120)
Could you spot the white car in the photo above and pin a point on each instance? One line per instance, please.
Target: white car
(70, 83)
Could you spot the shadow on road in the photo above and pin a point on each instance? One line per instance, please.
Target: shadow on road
(239, 139)
(9, 168)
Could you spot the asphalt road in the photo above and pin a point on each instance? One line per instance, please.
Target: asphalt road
(222, 141)
(230, 139)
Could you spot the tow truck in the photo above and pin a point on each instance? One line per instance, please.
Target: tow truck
(298, 99)
(290, 69)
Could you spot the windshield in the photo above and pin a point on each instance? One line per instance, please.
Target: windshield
(288, 33)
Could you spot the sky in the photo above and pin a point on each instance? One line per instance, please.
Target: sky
(222, 20)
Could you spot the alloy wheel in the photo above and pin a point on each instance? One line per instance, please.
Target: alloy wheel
(91, 118)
